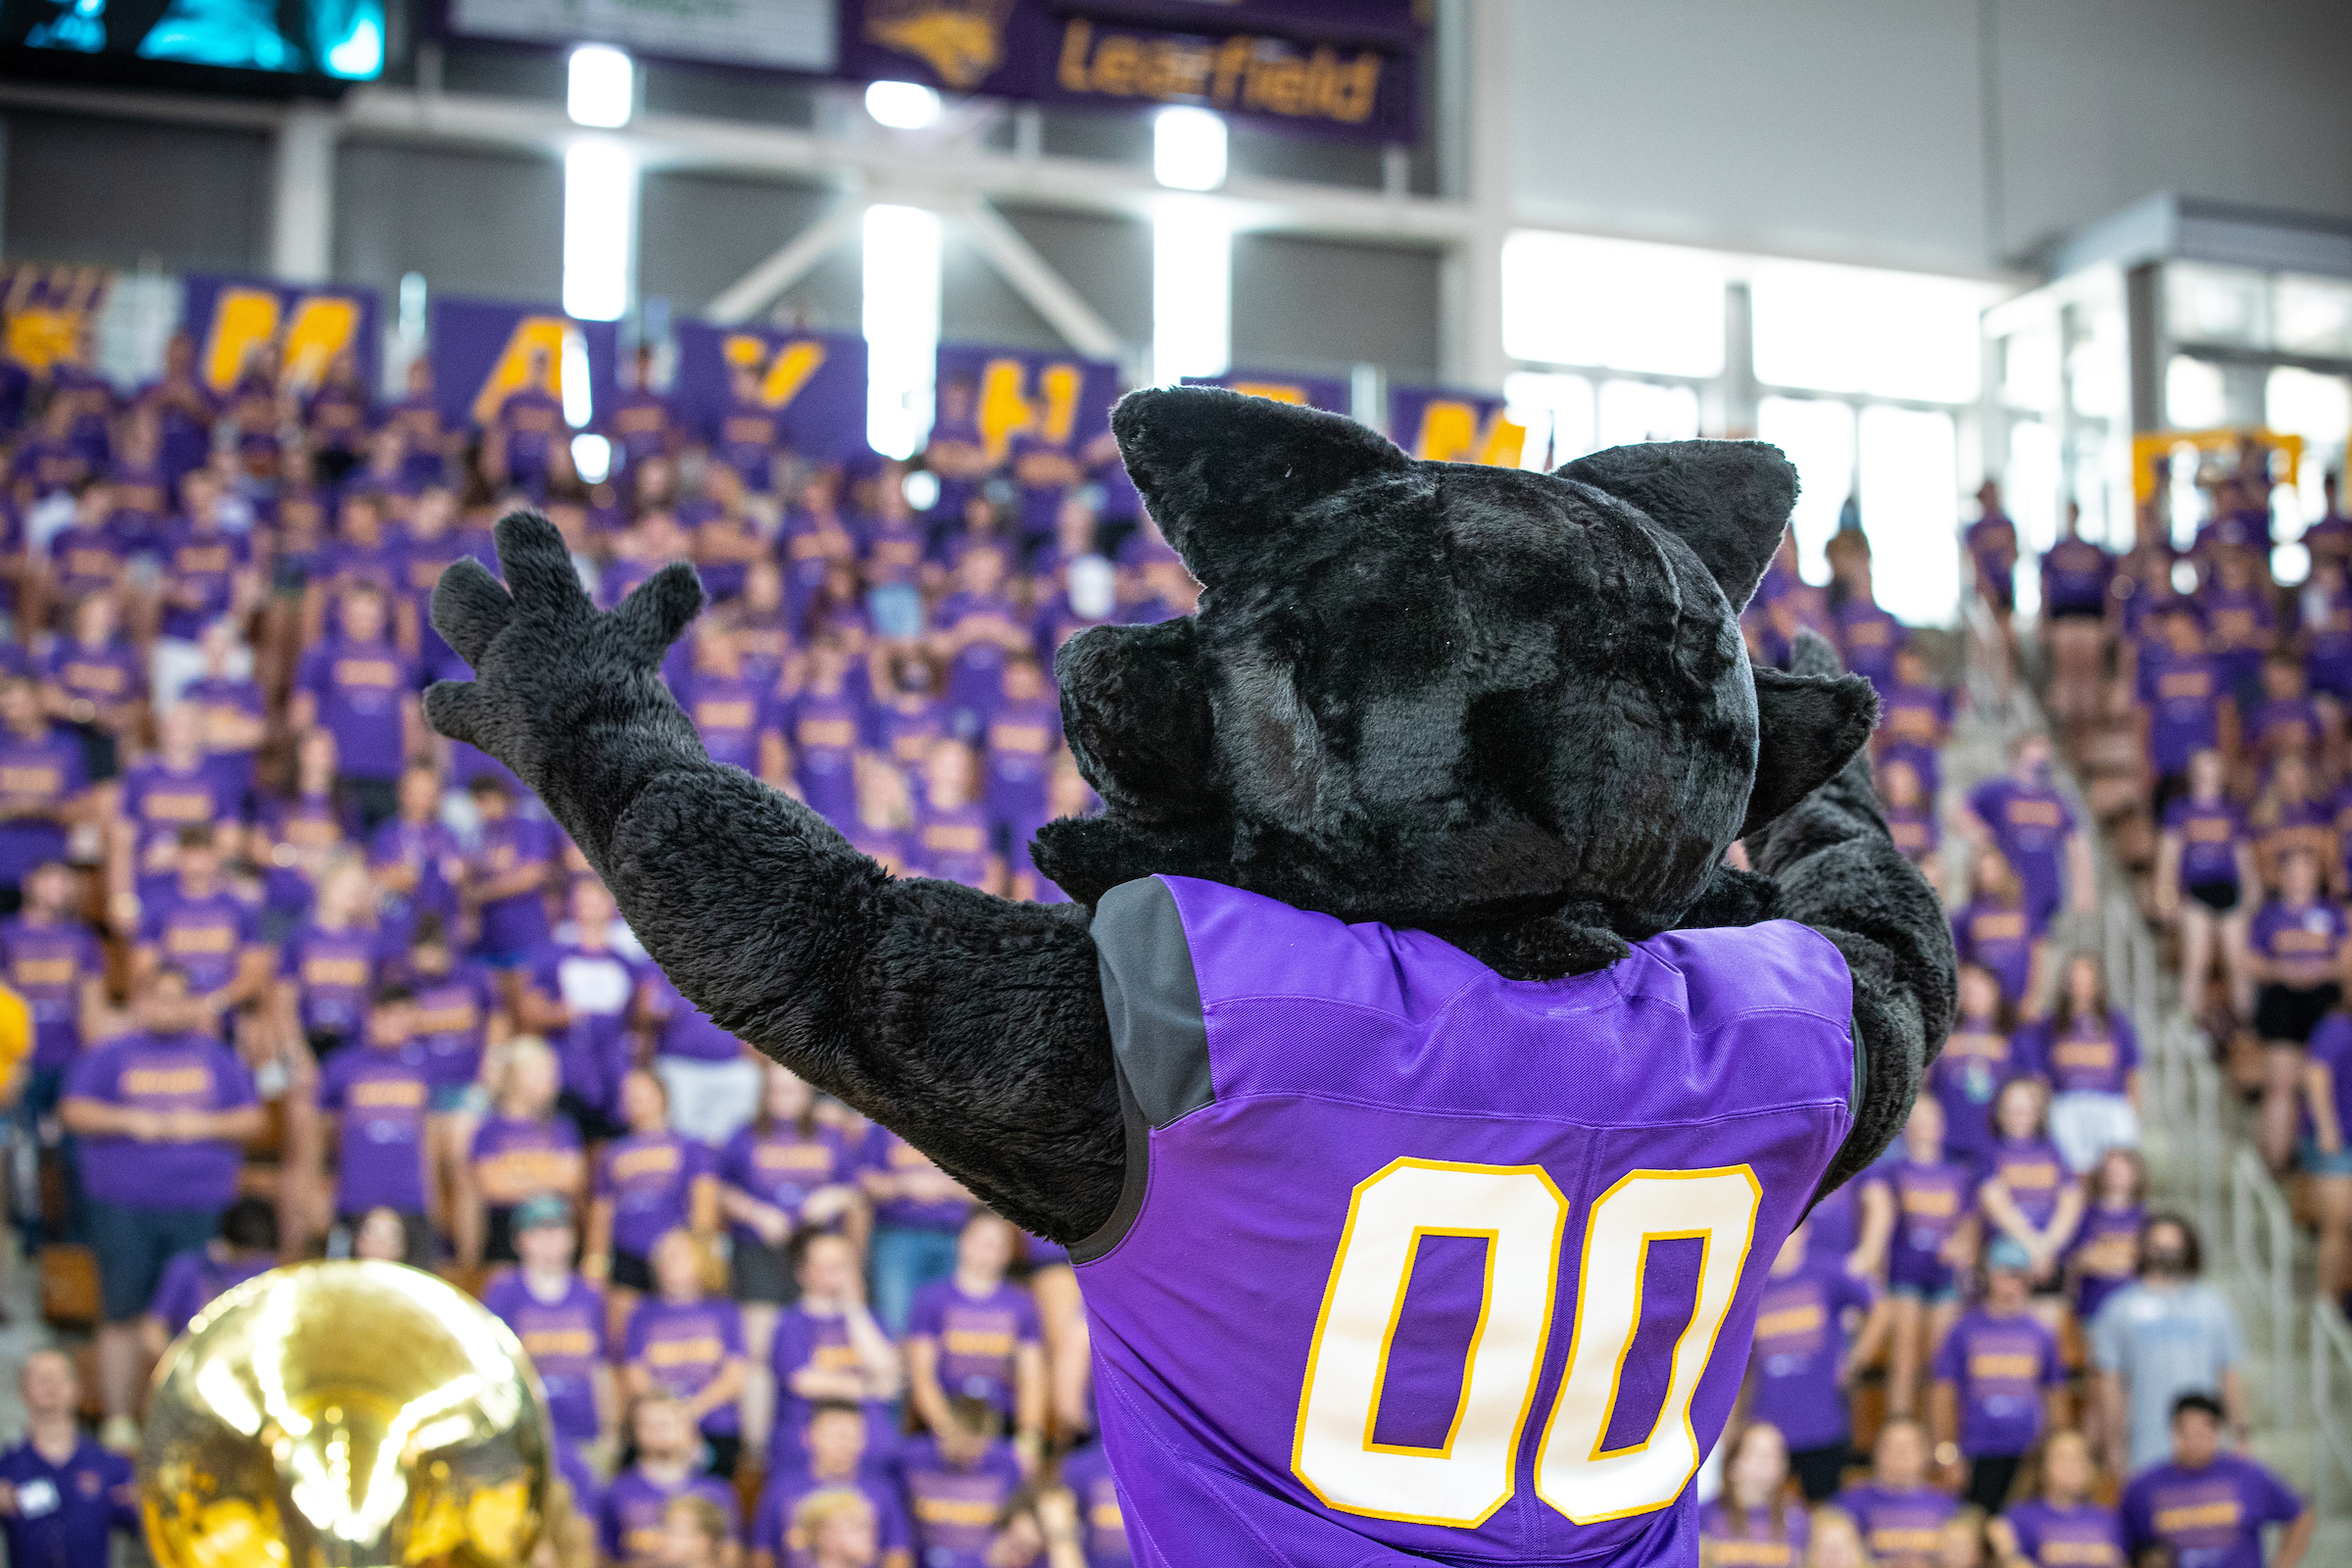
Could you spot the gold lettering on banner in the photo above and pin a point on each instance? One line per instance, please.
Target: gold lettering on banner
(1241, 71)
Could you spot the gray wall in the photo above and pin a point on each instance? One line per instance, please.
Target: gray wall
(697, 232)
(1945, 133)
(472, 222)
(178, 196)
(1318, 305)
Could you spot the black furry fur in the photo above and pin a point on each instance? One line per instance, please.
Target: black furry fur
(1509, 708)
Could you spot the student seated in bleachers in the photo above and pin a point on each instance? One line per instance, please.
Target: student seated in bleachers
(192, 1280)
(827, 1347)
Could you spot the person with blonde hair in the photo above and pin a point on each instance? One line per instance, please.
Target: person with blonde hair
(839, 1529)
(1837, 1542)
(521, 1150)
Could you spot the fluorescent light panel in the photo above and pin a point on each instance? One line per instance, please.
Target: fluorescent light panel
(1191, 293)
(1188, 148)
(902, 325)
(599, 218)
(603, 89)
(902, 105)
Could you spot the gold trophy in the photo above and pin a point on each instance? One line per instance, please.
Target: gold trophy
(344, 1415)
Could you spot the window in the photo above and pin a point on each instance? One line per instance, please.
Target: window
(1569, 299)
(1645, 411)
(1818, 435)
(2318, 409)
(1555, 410)
(1910, 510)
(1861, 329)
(2192, 395)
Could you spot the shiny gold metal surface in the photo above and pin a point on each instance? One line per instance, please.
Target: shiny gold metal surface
(344, 1415)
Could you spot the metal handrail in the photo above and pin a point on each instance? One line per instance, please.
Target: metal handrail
(2262, 1230)
(2330, 1351)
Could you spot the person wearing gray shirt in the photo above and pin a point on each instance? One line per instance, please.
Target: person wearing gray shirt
(2164, 1335)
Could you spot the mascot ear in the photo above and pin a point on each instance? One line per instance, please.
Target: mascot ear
(1223, 471)
(1810, 724)
(1726, 500)
(1136, 713)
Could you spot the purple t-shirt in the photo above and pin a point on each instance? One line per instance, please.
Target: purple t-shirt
(790, 1485)
(683, 1346)
(954, 1511)
(886, 1151)
(1021, 739)
(360, 688)
(2210, 836)
(2084, 1536)
(730, 714)
(1998, 939)
(950, 843)
(204, 933)
(1899, 1527)
(2094, 1055)
(2000, 1367)
(2301, 943)
(1101, 1521)
(515, 924)
(2209, 1518)
(1931, 1202)
(823, 730)
(2075, 573)
(1350, 1086)
(432, 853)
(596, 987)
(161, 1073)
(453, 1021)
(227, 697)
(977, 622)
(380, 1095)
(649, 1179)
(46, 965)
(524, 1158)
(1977, 1058)
(1749, 1541)
(201, 564)
(566, 1341)
(159, 800)
(1800, 1338)
(2030, 823)
(782, 1170)
(629, 1517)
(2105, 1256)
(49, 770)
(194, 1279)
(977, 1340)
(334, 973)
(2033, 1173)
(84, 1501)
(2182, 694)
(805, 1340)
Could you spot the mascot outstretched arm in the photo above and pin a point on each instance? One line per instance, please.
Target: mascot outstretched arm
(1405, 959)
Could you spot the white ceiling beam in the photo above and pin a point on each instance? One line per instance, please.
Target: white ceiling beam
(791, 262)
(1035, 279)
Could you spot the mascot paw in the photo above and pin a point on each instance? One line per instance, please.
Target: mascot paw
(547, 662)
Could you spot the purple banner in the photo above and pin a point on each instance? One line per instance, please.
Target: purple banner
(310, 325)
(1324, 67)
(1450, 427)
(1313, 391)
(991, 395)
(482, 350)
(815, 380)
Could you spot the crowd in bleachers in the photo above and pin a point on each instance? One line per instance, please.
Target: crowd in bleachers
(304, 977)
(1990, 1348)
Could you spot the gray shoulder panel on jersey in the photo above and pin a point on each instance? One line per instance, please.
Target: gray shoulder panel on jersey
(1159, 1042)
(1154, 1000)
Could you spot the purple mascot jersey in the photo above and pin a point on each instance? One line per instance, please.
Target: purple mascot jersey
(1415, 1262)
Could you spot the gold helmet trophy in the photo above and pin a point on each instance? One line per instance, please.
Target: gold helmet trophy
(344, 1415)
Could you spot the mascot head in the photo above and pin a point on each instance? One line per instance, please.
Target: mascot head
(1510, 707)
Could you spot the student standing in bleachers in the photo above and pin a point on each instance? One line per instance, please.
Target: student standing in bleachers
(331, 964)
(560, 1320)
(687, 1346)
(630, 1515)
(161, 1115)
(649, 1181)
(1899, 1513)
(362, 688)
(2028, 1195)
(2106, 1249)
(835, 1460)
(2207, 1507)
(2057, 1523)
(2323, 1153)
(1800, 1370)
(376, 1090)
(63, 1497)
(521, 1150)
(1754, 1518)
(45, 777)
(2206, 884)
(579, 993)
(957, 1480)
(2297, 945)
(2184, 704)
(2025, 817)
(2001, 1380)
(974, 1336)
(1995, 931)
(918, 1212)
(1983, 1053)
(827, 1346)
(1936, 1230)
(2164, 1335)
(2090, 1054)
